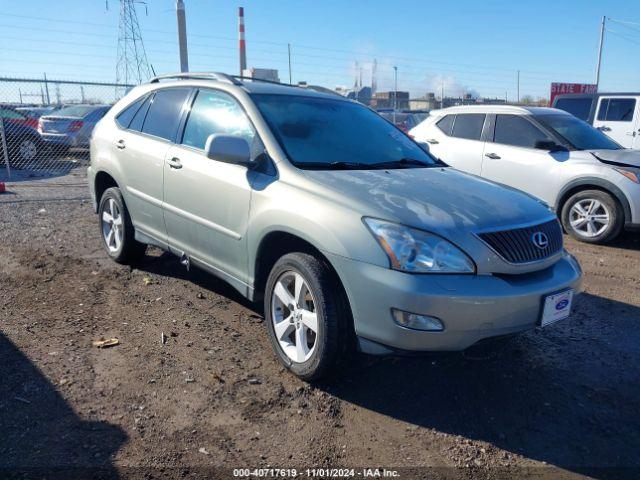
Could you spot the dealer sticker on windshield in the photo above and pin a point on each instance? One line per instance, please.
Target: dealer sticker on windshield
(556, 307)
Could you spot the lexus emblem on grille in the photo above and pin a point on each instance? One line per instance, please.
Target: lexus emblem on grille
(540, 240)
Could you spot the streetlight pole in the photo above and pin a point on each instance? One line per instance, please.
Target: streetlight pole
(395, 93)
(182, 36)
(600, 47)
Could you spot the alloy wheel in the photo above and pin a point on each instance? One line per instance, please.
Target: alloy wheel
(28, 149)
(294, 317)
(112, 230)
(589, 217)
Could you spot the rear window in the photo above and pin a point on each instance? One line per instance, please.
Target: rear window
(616, 109)
(469, 126)
(164, 113)
(445, 124)
(578, 107)
(124, 118)
(75, 111)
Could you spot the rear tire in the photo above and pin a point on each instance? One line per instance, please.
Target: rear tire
(24, 151)
(310, 291)
(592, 216)
(116, 230)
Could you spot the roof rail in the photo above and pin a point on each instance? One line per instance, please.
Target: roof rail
(220, 77)
(261, 80)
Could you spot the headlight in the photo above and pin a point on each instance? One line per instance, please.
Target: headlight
(412, 250)
(633, 176)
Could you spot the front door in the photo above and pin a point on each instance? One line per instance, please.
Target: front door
(206, 202)
(617, 116)
(512, 160)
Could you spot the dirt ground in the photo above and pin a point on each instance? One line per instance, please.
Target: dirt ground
(562, 402)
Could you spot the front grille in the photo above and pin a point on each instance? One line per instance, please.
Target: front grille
(518, 246)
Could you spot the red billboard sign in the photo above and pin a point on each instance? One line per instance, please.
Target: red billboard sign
(575, 88)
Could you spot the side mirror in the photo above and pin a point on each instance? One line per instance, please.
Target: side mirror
(228, 149)
(549, 145)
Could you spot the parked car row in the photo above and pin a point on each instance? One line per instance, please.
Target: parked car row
(615, 114)
(591, 181)
(30, 130)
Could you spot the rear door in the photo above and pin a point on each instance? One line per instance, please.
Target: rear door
(457, 139)
(512, 160)
(617, 116)
(142, 146)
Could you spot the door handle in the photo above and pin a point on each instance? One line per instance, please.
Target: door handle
(492, 156)
(604, 128)
(433, 141)
(121, 144)
(174, 163)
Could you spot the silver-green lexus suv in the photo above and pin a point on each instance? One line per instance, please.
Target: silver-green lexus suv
(350, 232)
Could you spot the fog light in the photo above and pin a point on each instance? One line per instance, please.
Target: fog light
(417, 322)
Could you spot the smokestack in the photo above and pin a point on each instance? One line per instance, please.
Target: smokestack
(243, 47)
(374, 77)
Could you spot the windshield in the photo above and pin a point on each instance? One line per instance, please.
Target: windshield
(327, 133)
(578, 133)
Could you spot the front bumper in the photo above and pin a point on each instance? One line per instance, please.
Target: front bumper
(472, 307)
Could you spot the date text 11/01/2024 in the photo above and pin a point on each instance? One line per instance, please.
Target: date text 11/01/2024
(315, 473)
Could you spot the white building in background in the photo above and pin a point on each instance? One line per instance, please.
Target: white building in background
(269, 74)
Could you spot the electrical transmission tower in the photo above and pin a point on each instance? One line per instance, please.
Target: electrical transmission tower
(133, 66)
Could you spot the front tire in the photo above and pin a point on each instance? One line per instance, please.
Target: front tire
(592, 216)
(307, 315)
(116, 229)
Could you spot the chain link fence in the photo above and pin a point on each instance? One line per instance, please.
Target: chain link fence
(45, 125)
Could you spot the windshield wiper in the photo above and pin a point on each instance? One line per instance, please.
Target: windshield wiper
(335, 166)
(402, 163)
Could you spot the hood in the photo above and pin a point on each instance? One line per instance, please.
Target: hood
(622, 157)
(435, 199)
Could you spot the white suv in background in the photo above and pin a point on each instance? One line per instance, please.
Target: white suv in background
(590, 180)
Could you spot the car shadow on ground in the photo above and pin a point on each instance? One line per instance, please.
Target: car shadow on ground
(40, 434)
(627, 240)
(567, 395)
(166, 264)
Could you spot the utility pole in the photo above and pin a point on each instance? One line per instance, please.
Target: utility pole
(182, 36)
(395, 93)
(602, 27)
(289, 49)
(518, 89)
(46, 87)
(241, 43)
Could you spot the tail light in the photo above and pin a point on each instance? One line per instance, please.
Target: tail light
(75, 125)
(40, 125)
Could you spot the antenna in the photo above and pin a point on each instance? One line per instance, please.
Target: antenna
(132, 66)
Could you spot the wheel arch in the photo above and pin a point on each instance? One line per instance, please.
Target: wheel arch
(102, 182)
(274, 245)
(593, 184)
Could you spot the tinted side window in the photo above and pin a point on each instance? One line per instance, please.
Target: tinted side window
(446, 123)
(215, 112)
(138, 119)
(468, 125)
(164, 112)
(617, 109)
(517, 131)
(579, 107)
